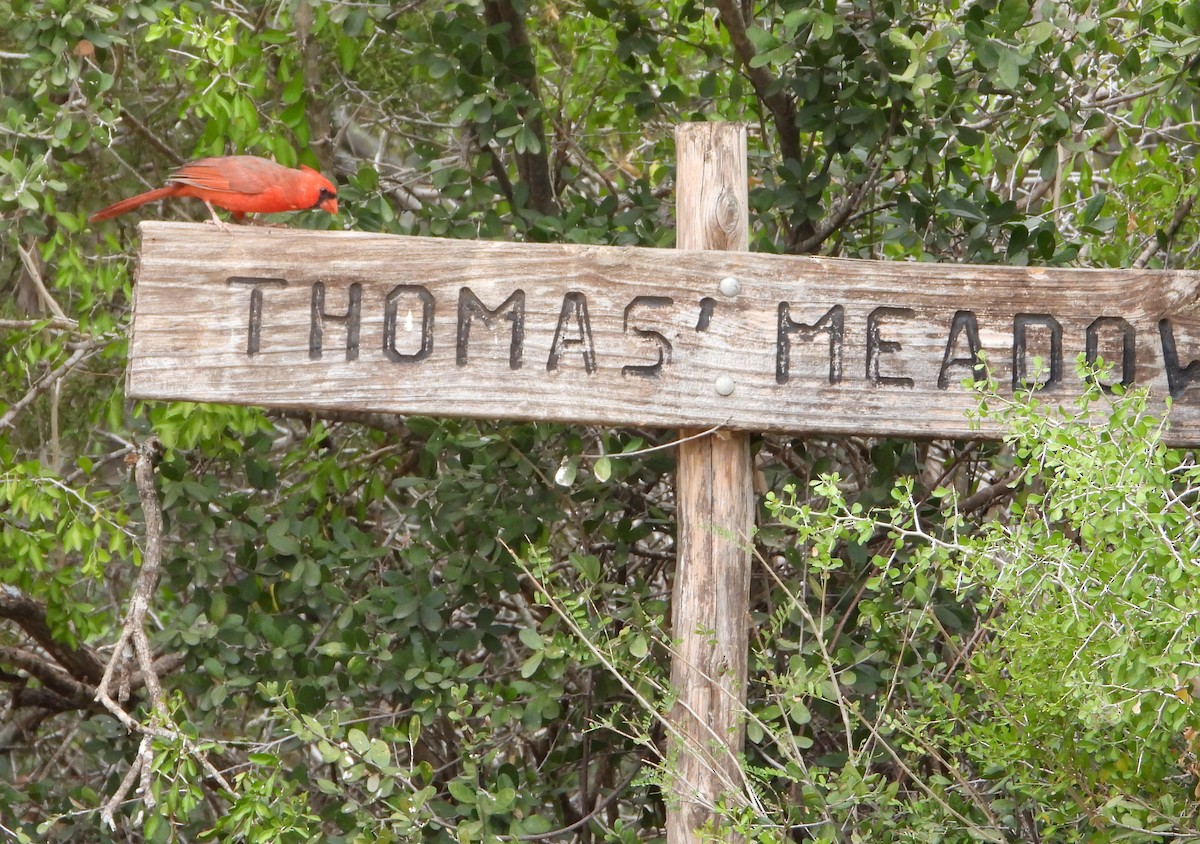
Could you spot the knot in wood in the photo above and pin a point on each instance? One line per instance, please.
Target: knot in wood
(728, 211)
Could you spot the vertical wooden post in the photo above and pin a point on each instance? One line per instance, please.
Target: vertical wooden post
(715, 514)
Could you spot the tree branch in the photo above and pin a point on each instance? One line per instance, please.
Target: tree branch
(782, 109)
(532, 166)
(850, 204)
(73, 693)
(84, 351)
(80, 662)
(154, 140)
(1181, 214)
(134, 631)
(32, 263)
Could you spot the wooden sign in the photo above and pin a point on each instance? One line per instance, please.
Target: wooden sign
(632, 336)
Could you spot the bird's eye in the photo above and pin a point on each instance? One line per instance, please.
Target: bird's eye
(323, 196)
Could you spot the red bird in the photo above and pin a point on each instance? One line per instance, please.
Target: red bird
(243, 184)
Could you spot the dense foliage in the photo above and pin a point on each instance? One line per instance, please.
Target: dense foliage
(375, 629)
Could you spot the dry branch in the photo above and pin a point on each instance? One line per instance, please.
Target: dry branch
(80, 662)
(769, 92)
(134, 632)
(84, 351)
(533, 166)
(1181, 214)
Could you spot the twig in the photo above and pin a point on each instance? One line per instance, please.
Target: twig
(78, 474)
(600, 806)
(48, 380)
(851, 203)
(155, 141)
(134, 631)
(1181, 214)
(25, 324)
(35, 275)
(139, 770)
(709, 749)
(1043, 186)
(985, 497)
(80, 662)
(983, 832)
(662, 447)
(134, 627)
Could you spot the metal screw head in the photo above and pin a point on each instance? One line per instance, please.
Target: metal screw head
(730, 286)
(724, 385)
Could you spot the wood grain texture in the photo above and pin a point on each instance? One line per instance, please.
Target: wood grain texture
(714, 491)
(904, 349)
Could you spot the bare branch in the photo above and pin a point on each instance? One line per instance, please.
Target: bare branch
(532, 166)
(80, 662)
(34, 271)
(782, 109)
(850, 204)
(1181, 214)
(82, 353)
(75, 694)
(154, 140)
(134, 632)
(143, 589)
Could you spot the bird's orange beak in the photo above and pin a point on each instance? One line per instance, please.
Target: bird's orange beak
(330, 205)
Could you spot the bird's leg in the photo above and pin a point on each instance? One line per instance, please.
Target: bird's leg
(217, 220)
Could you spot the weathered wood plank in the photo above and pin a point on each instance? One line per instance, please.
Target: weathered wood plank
(627, 336)
(714, 494)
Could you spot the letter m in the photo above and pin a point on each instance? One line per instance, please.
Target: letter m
(512, 309)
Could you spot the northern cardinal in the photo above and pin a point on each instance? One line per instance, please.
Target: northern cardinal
(243, 184)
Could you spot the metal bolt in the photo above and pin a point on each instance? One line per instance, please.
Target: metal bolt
(730, 286)
(724, 385)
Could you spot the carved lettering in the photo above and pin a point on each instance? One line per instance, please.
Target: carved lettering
(351, 319)
(832, 323)
(1021, 325)
(1128, 348)
(254, 326)
(391, 313)
(707, 304)
(470, 307)
(877, 346)
(1178, 379)
(964, 322)
(649, 370)
(574, 311)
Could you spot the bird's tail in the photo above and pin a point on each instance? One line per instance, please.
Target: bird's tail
(118, 208)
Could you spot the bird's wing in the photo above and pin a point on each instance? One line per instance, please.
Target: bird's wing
(244, 174)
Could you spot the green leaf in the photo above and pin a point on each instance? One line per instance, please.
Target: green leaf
(567, 471)
(462, 112)
(359, 741)
(602, 469)
(638, 646)
(530, 666)
(462, 792)
(280, 539)
(379, 755)
(531, 639)
(1008, 68)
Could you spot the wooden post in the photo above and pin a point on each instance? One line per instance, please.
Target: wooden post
(715, 514)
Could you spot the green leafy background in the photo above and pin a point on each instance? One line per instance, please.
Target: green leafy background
(402, 629)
